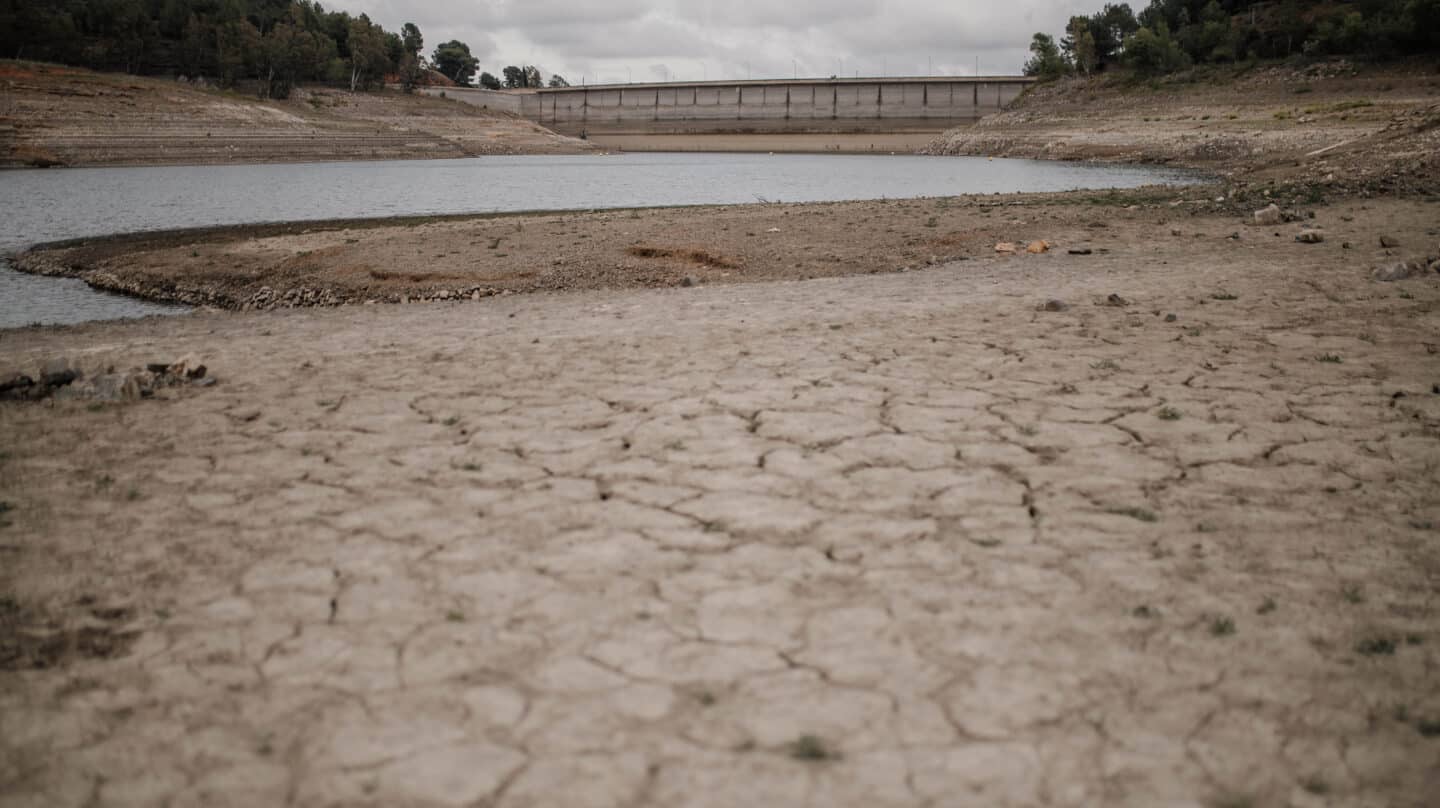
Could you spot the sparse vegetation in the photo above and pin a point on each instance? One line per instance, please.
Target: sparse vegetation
(1168, 414)
(1139, 514)
(1267, 606)
(1377, 645)
(1329, 357)
(810, 748)
(1221, 626)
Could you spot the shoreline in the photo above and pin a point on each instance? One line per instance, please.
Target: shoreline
(325, 262)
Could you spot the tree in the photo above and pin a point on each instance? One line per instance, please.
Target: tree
(1155, 52)
(411, 69)
(1045, 59)
(454, 60)
(237, 50)
(558, 80)
(489, 82)
(514, 77)
(368, 59)
(290, 53)
(1110, 27)
(413, 41)
(1080, 45)
(532, 77)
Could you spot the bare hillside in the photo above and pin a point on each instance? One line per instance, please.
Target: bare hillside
(52, 115)
(1371, 129)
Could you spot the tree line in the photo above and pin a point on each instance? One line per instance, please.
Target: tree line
(275, 43)
(1172, 35)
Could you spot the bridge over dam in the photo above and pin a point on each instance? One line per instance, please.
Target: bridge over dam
(838, 114)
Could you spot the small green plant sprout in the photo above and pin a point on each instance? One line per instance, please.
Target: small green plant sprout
(1377, 645)
(455, 616)
(1169, 414)
(1221, 626)
(811, 748)
(1105, 364)
(1352, 593)
(1139, 514)
(1329, 357)
(1224, 296)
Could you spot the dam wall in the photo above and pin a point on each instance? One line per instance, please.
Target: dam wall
(802, 106)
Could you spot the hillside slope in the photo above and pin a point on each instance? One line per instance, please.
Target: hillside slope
(52, 115)
(1367, 129)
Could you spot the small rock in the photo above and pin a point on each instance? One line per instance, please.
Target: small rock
(1116, 300)
(1270, 214)
(1006, 247)
(1175, 231)
(1310, 236)
(57, 373)
(114, 387)
(1170, 318)
(1053, 305)
(1082, 251)
(16, 385)
(1389, 241)
(1038, 247)
(187, 367)
(1398, 271)
(688, 280)
(1235, 236)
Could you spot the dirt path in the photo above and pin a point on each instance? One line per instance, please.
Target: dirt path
(898, 539)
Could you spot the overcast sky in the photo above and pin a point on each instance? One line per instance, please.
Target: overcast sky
(652, 40)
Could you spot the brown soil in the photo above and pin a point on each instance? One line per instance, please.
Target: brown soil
(1333, 126)
(877, 540)
(52, 115)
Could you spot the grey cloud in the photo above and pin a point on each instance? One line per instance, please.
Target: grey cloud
(729, 39)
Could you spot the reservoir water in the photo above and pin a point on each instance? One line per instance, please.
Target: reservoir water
(39, 206)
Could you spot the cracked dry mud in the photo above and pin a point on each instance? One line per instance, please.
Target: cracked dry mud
(875, 540)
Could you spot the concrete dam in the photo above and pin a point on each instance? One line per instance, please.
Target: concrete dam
(891, 112)
(769, 107)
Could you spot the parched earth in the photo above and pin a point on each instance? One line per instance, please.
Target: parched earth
(895, 539)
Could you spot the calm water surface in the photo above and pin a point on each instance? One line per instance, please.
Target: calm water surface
(39, 206)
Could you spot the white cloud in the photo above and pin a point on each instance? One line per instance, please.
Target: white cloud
(643, 40)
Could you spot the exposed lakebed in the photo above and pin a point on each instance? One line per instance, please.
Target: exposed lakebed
(44, 206)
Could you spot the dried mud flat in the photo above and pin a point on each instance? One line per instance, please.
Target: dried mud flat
(893, 539)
